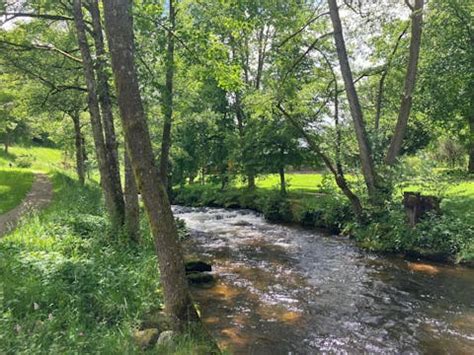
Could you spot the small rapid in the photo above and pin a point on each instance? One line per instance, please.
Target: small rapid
(287, 290)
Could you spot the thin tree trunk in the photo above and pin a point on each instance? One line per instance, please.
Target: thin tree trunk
(7, 141)
(103, 91)
(80, 167)
(365, 153)
(168, 100)
(132, 209)
(281, 172)
(470, 167)
(119, 29)
(410, 79)
(115, 206)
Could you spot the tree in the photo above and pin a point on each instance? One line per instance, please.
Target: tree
(410, 79)
(112, 192)
(119, 29)
(447, 70)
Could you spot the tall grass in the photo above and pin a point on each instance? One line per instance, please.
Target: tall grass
(67, 285)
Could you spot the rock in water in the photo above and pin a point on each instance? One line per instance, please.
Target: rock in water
(197, 266)
(146, 338)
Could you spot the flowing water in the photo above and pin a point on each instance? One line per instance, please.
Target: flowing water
(286, 290)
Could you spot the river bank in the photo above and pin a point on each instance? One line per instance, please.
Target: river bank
(448, 238)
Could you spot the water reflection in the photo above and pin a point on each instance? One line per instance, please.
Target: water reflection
(283, 289)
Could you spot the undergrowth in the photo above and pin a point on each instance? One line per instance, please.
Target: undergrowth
(69, 285)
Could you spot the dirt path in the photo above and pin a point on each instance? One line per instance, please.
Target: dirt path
(39, 196)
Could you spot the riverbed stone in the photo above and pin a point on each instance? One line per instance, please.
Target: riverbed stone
(197, 266)
(146, 338)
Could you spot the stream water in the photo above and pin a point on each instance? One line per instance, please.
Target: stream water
(286, 290)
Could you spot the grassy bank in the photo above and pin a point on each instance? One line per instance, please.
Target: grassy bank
(449, 237)
(14, 185)
(68, 285)
(34, 158)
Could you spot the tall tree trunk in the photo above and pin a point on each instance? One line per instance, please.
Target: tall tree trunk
(119, 29)
(365, 153)
(80, 167)
(132, 209)
(114, 204)
(410, 79)
(103, 91)
(168, 99)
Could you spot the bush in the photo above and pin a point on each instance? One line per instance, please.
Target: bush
(24, 161)
(277, 208)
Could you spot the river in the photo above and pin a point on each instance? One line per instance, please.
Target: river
(286, 290)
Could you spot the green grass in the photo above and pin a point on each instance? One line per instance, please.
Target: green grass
(14, 185)
(34, 158)
(68, 285)
(295, 182)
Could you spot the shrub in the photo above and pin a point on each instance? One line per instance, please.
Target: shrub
(277, 208)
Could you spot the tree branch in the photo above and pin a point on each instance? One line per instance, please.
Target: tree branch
(47, 47)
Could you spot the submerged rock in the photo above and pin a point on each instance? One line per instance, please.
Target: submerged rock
(199, 278)
(146, 338)
(197, 266)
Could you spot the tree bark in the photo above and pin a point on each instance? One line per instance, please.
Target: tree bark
(168, 100)
(365, 153)
(114, 204)
(119, 30)
(132, 209)
(410, 80)
(103, 90)
(80, 167)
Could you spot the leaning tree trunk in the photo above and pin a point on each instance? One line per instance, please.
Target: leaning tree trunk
(103, 91)
(113, 200)
(365, 153)
(80, 166)
(336, 171)
(119, 30)
(168, 100)
(132, 209)
(410, 79)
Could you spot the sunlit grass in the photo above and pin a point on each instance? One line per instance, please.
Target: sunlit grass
(34, 158)
(14, 185)
(310, 182)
